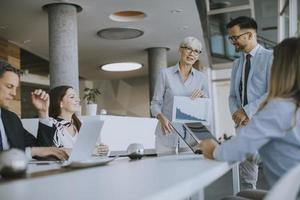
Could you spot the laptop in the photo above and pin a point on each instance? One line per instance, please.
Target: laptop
(189, 137)
(200, 131)
(81, 155)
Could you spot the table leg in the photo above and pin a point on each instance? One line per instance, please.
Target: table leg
(235, 179)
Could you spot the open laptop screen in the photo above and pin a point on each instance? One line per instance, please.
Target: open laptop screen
(86, 141)
(187, 136)
(200, 131)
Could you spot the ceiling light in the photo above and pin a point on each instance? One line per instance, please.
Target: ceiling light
(121, 67)
(127, 16)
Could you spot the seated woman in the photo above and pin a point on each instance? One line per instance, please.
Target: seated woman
(275, 130)
(59, 126)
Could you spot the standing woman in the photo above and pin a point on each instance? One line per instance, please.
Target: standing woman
(179, 80)
(59, 126)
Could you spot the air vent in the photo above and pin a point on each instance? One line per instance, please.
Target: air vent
(119, 33)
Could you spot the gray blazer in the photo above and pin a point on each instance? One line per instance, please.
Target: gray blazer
(257, 84)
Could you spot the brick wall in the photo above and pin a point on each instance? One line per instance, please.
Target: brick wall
(11, 53)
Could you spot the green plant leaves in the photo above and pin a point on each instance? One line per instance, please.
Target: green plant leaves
(90, 94)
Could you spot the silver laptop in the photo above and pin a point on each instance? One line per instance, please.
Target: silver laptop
(187, 136)
(81, 155)
(192, 138)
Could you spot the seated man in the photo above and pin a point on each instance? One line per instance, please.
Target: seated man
(12, 132)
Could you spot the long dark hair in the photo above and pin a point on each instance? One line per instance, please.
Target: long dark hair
(56, 95)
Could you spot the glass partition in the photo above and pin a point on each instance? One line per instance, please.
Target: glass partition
(220, 46)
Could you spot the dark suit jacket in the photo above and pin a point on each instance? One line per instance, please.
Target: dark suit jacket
(17, 136)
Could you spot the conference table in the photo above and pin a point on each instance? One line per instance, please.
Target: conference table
(157, 178)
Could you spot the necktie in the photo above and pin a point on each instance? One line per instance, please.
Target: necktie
(247, 70)
(1, 145)
(243, 93)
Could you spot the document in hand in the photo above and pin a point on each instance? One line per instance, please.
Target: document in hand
(187, 110)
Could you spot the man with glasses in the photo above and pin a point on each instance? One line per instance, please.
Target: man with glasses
(179, 80)
(249, 83)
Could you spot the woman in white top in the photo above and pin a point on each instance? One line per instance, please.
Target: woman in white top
(59, 126)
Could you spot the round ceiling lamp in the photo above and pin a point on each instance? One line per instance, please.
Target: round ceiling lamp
(127, 16)
(121, 67)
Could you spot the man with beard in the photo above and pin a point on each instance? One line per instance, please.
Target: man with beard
(249, 83)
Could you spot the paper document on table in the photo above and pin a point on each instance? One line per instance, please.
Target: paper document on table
(186, 110)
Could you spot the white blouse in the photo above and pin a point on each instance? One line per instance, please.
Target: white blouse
(62, 137)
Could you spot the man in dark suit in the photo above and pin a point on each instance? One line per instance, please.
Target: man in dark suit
(12, 132)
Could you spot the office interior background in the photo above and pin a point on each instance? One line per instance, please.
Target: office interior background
(146, 32)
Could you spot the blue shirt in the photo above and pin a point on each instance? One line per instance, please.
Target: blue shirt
(273, 133)
(169, 84)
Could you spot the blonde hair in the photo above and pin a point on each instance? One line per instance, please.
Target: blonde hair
(188, 41)
(285, 73)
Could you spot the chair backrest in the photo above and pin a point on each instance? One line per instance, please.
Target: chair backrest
(118, 132)
(287, 187)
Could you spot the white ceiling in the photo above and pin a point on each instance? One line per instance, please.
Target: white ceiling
(25, 20)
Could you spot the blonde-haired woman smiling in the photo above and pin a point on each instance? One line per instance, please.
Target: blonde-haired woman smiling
(179, 80)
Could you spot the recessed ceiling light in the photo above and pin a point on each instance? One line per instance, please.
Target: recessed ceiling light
(121, 67)
(127, 16)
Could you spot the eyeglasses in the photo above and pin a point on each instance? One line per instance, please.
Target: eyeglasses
(190, 50)
(234, 38)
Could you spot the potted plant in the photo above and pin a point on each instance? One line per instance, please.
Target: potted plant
(90, 95)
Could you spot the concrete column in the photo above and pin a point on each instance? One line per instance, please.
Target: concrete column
(157, 59)
(63, 44)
